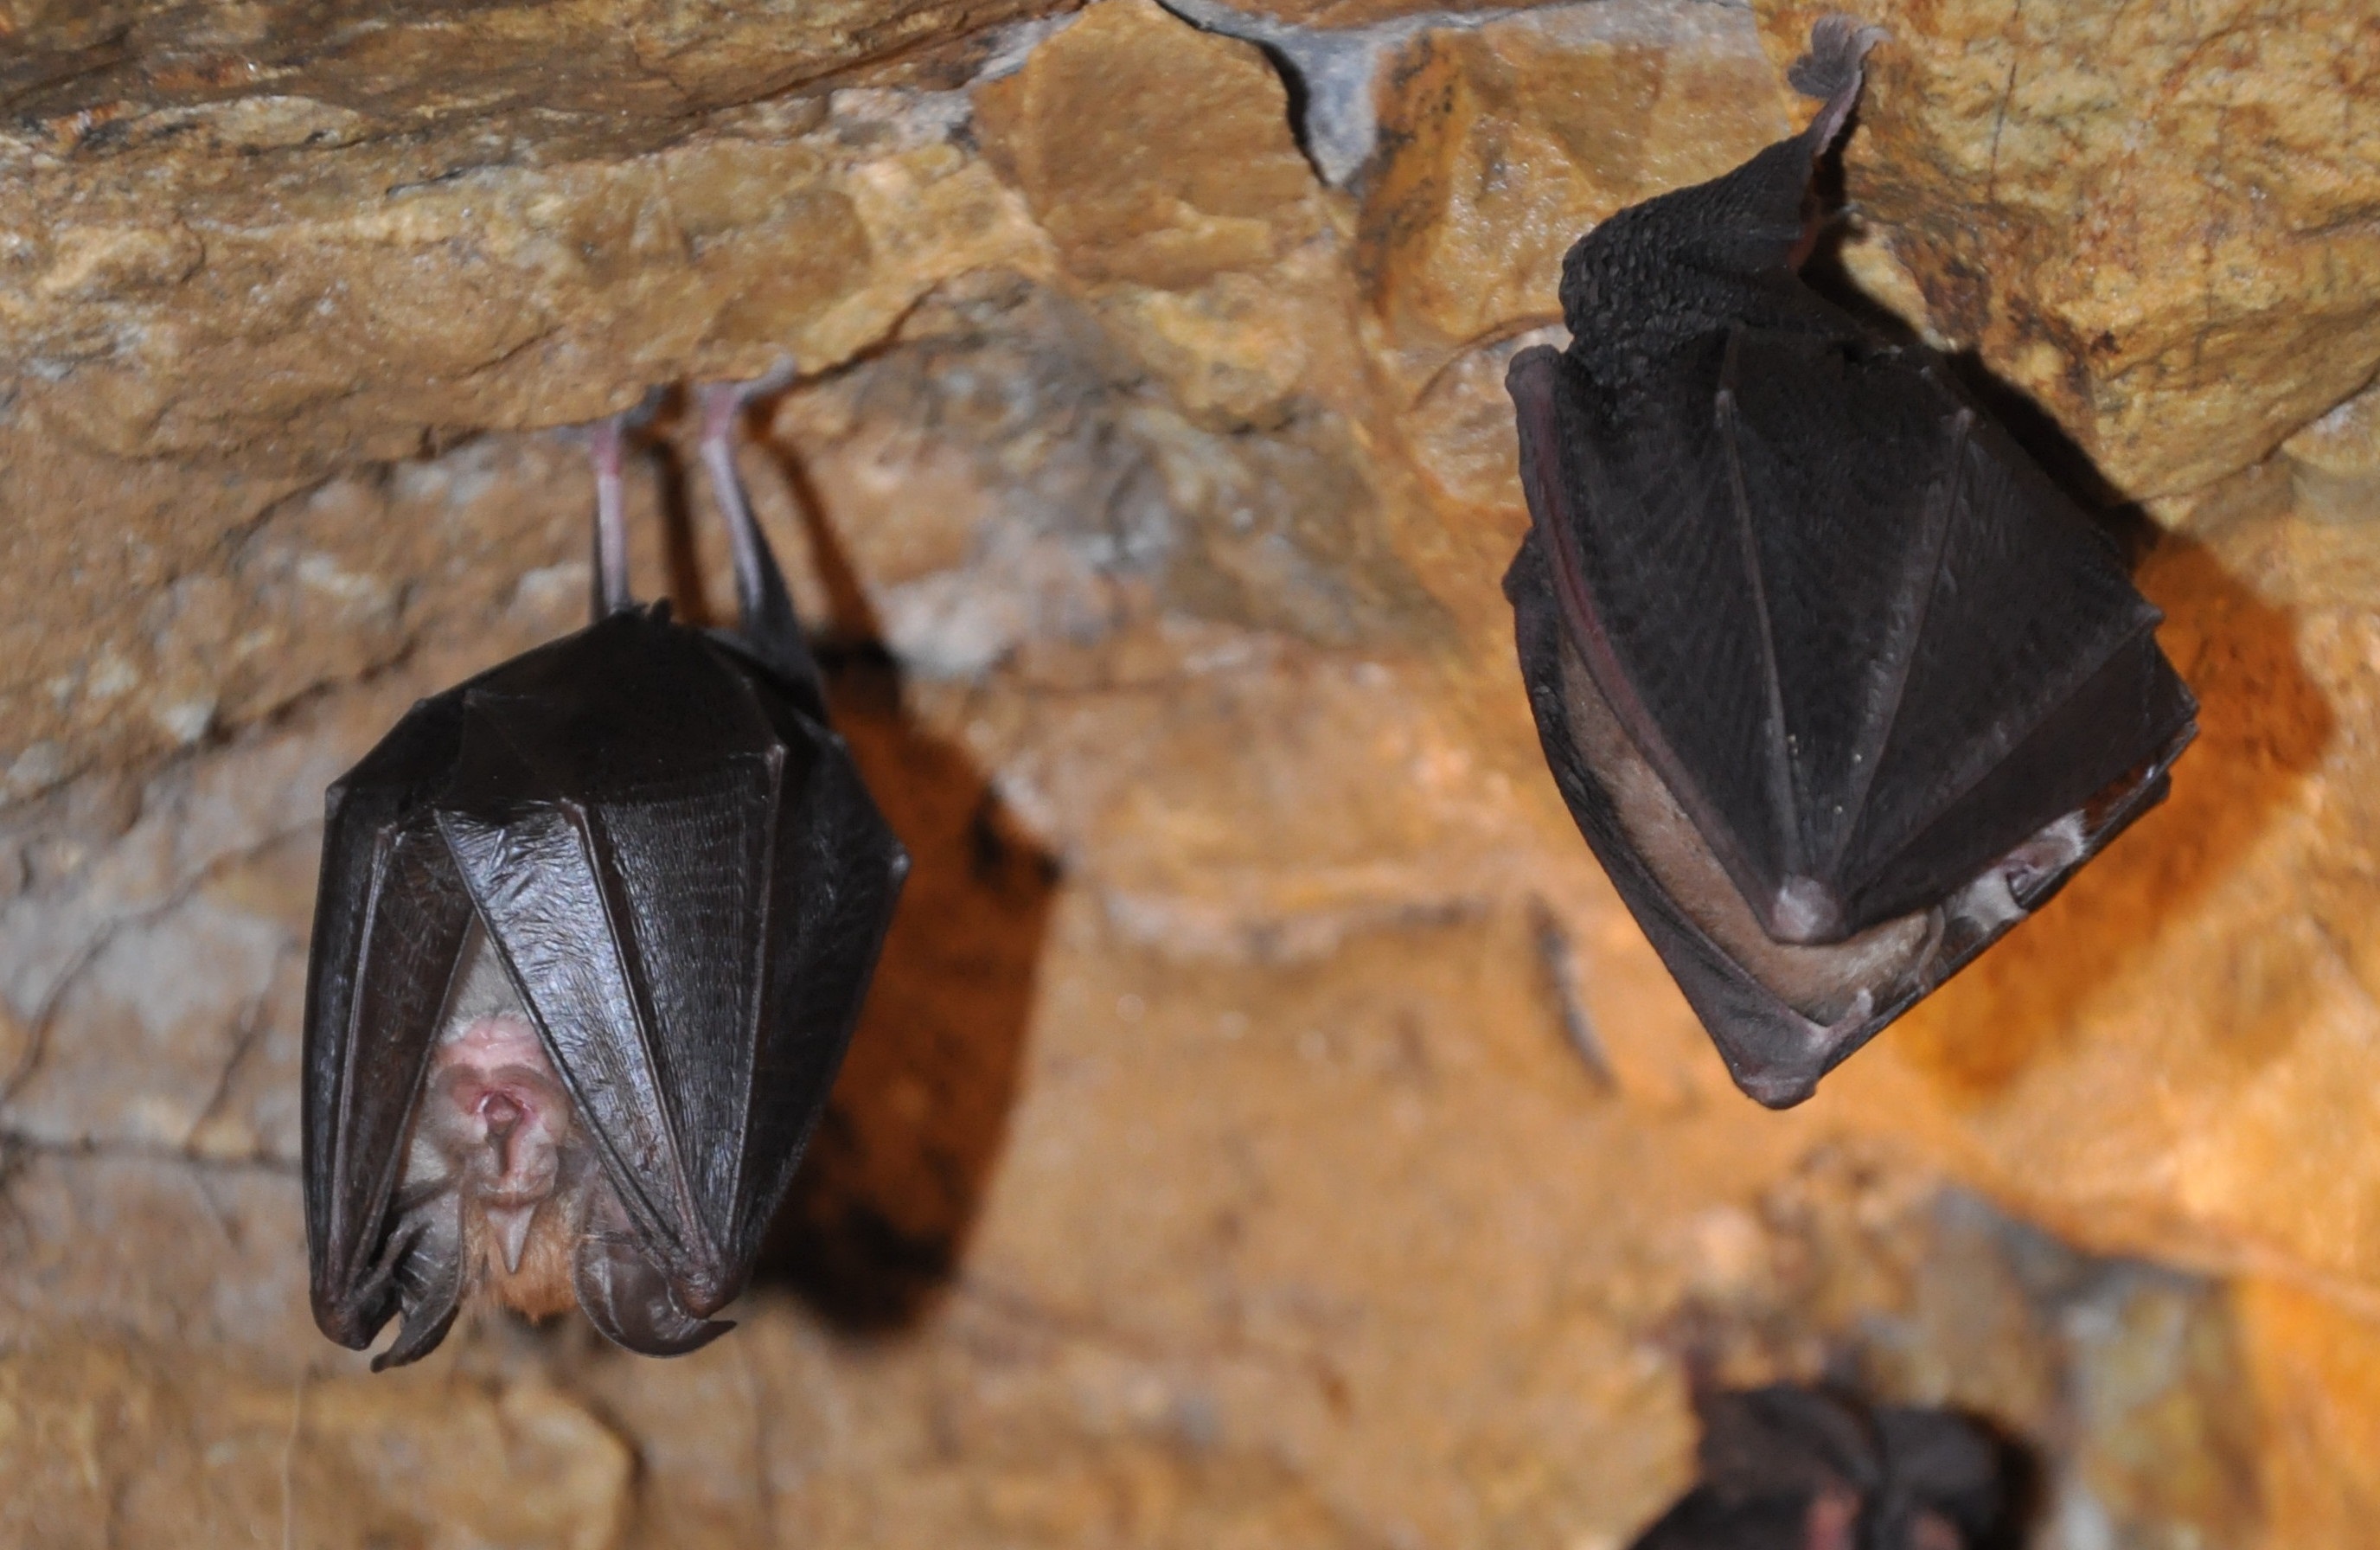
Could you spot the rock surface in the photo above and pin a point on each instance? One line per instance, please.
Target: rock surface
(2154, 221)
(1267, 1128)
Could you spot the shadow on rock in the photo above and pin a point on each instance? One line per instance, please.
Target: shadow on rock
(880, 1212)
(2263, 724)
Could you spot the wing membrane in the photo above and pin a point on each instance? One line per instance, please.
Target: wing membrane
(390, 918)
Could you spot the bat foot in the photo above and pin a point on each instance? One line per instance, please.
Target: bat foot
(768, 624)
(1832, 70)
(722, 401)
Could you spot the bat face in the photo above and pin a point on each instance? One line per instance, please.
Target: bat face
(592, 933)
(496, 1129)
(1836, 682)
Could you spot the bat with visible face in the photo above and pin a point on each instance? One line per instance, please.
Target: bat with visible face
(592, 930)
(1795, 1469)
(1837, 684)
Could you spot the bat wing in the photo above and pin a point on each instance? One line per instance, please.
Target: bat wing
(1774, 1052)
(688, 885)
(1838, 685)
(390, 920)
(1864, 642)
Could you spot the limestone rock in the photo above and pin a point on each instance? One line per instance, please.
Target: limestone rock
(1151, 152)
(390, 287)
(114, 1445)
(1268, 1129)
(1504, 143)
(2336, 460)
(2174, 1052)
(2317, 1378)
(2150, 220)
(305, 73)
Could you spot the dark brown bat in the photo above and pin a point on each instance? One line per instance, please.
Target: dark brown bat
(1796, 1468)
(1836, 682)
(591, 933)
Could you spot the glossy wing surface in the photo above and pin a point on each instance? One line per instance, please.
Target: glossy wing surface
(2035, 683)
(390, 918)
(597, 778)
(691, 869)
(836, 877)
(1909, 603)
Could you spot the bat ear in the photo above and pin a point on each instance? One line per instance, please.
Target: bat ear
(624, 1297)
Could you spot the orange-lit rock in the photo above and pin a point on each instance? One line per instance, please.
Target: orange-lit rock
(1269, 1128)
(1151, 152)
(1500, 145)
(2148, 219)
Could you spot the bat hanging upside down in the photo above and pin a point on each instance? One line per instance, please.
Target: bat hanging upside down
(1837, 684)
(591, 935)
(1799, 1469)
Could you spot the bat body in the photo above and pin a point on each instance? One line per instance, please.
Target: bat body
(1837, 684)
(1794, 1469)
(591, 933)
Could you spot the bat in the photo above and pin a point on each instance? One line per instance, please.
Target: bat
(1837, 684)
(591, 933)
(1797, 1468)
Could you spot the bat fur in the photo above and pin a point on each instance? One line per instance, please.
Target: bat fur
(1786, 1468)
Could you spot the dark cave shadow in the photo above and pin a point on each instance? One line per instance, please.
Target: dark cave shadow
(1760, 1471)
(2263, 724)
(2025, 1484)
(880, 1212)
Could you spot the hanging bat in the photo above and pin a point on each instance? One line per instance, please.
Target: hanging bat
(1836, 682)
(591, 933)
(1796, 1468)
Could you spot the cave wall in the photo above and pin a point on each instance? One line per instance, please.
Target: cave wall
(1269, 1128)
